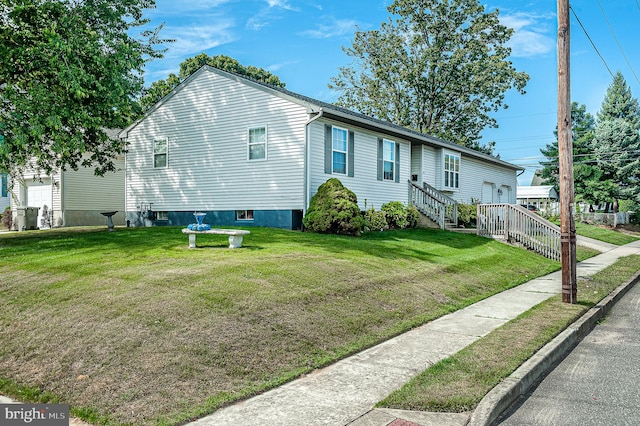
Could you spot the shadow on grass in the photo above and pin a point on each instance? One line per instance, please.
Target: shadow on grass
(408, 243)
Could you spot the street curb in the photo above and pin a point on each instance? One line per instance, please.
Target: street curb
(501, 397)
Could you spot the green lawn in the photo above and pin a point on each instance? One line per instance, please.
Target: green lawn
(458, 383)
(604, 234)
(133, 327)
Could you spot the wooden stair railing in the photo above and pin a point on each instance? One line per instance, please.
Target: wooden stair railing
(435, 205)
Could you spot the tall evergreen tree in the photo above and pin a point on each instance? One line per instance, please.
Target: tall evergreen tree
(438, 67)
(619, 103)
(582, 130)
(617, 141)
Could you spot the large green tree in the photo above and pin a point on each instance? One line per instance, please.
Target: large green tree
(617, 141)
(587, 176)
(436, 66)
(68, 71)
(159, 89)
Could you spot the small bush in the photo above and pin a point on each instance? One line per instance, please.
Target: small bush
(467, 215)
(334, 210)
(375, 220)
(396, 214)
(7, 218)
(413, 216)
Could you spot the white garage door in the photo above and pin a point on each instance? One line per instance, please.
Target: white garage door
(38, 195)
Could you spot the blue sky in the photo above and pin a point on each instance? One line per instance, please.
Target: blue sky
(301, 42)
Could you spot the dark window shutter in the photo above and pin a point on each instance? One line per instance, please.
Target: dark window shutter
(397, 167)
(350, 150)
(380, 159)
(328, 149)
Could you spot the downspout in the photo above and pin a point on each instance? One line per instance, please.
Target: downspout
(307, 161)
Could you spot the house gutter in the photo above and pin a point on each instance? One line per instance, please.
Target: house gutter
(307, 160)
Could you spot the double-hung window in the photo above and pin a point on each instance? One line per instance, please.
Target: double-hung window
(388, 159)
(257, 149)
(160, 151)
(4, 192)
(451, 171)
(339, 151)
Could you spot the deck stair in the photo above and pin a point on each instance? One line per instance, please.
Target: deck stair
(434, 205)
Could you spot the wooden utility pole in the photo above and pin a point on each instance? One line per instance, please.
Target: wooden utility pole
(565, 158)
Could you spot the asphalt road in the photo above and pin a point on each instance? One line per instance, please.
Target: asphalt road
(598, 383)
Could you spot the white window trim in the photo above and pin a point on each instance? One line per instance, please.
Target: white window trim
(246, 214)
(166, 152)
(393, 161)
(346, 152)
(266, 143)
(445, 171)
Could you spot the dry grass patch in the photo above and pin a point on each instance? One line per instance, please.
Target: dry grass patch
(132, 327)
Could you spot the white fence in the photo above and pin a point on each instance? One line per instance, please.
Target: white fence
(582, 213)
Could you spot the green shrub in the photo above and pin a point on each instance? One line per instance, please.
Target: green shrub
(334, 210)
(467, 215)
(627, 205)
(396, 214)
(413, 216)
(375, 220)
(7, 218)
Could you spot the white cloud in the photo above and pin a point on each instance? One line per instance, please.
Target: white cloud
(186, 6)
(531, 37)
(268, 14)
(195, 39)
(282, 4)
(335, 28)
(276, 67)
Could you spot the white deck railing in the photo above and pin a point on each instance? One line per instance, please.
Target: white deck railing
(517, 224)
(434, 204)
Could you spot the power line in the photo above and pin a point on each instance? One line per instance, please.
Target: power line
(617, 42)
(589, 37)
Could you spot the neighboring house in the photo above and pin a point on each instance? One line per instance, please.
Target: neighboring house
(536, 195)
(74, 198)
(5, 195)
(251, 154)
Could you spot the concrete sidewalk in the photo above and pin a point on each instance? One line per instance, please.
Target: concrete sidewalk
(345, 392)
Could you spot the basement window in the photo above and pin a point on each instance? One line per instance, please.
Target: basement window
(244, 214)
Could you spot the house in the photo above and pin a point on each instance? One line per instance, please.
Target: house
(72, 197)
(249, 154)
(536, 195)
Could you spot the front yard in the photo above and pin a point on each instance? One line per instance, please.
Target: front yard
(134, 327)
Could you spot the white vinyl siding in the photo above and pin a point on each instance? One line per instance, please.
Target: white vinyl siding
(206, 122)
(364, 181)
(83, 190)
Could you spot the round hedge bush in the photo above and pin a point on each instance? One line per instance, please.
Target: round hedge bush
(334, 210)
